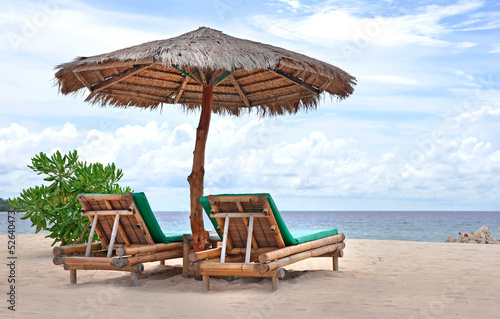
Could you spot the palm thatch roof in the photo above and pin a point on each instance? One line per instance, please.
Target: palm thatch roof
(245, 75)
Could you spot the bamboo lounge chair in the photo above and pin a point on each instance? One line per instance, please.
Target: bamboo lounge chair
(256, 241)
(129, 236)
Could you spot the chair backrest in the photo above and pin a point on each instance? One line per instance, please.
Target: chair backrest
(266, 231)
(131, 228)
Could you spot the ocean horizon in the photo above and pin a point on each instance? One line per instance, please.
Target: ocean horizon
(426, 226)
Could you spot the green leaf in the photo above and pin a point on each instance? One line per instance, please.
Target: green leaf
(55, 208)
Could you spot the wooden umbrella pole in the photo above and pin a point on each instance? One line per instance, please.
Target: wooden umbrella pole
(195, 179)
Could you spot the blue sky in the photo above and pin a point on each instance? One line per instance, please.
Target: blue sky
(420, 131)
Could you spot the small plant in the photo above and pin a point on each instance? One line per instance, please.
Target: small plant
(55, 207)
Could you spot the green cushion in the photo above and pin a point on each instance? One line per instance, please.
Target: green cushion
(151, 223)
(285, 233)
(316, 235)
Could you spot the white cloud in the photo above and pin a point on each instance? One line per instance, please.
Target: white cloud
(496, 48)
(293, 5)
(30, 27)
(367, 153)
(343, 25)
(391, 79)
(485, 20)
(457, 162)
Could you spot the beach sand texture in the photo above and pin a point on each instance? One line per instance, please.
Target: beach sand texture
(377, 279)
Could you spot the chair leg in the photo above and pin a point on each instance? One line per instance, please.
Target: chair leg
(162, 262)
(134, 275)
(335, 263)
(206, 283)
(72, 276)
(275, 283)
(230, 278)
(134, 279)
(186, 249)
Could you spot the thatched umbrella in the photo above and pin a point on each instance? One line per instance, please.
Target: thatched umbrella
(210, 70)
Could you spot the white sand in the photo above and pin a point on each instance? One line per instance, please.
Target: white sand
(377, 279)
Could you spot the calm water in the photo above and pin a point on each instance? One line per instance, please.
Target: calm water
(393, 225)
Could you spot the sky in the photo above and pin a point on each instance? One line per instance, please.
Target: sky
(420, 132)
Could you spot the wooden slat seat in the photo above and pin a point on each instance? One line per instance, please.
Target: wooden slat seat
(129, 236)
(256, 241)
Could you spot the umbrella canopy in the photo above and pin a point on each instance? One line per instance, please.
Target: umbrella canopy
(210, 70)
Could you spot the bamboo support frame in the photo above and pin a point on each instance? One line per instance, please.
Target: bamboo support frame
(137, 250)
(290, 250)
(91, 235)
(201, 255)
(118, 78)
(238, 214)
(264, 268)
(224, 239)
(109, 197)
(141, 223)
(274, 281)
(249, 239)
(95, 267)
(206, 283)
(108, 212)
(73, 260)
(237, 269)
(121, 262)
(113, 235)
(124, 235)
(261, 250)
(78, 248)
(186, 248)
(72, 276)
(338, 253)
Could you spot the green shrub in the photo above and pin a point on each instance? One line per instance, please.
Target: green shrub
(55, 207)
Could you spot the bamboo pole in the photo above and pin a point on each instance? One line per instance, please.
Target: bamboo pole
(278, 272)
(206, 283)
(134, 275)
(264, 268)
(235, 269)
(97, 267)
(58, 260)
(78, 248)
(290, 250)
(338, 253)
(108, 212)
(91, 235)
(196, 177)
(121, 262)
(261, 250)
(137, 250)
(110, 197)
(186, 248)
(274, 281)
(249, 239)
(113, 235)
(201, 255)
(70, 260)
(225, 240)
(235, 258)
(72, 276)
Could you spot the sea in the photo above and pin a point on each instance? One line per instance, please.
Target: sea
(425, 226)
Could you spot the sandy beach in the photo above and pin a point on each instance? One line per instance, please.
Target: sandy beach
(377, 279)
